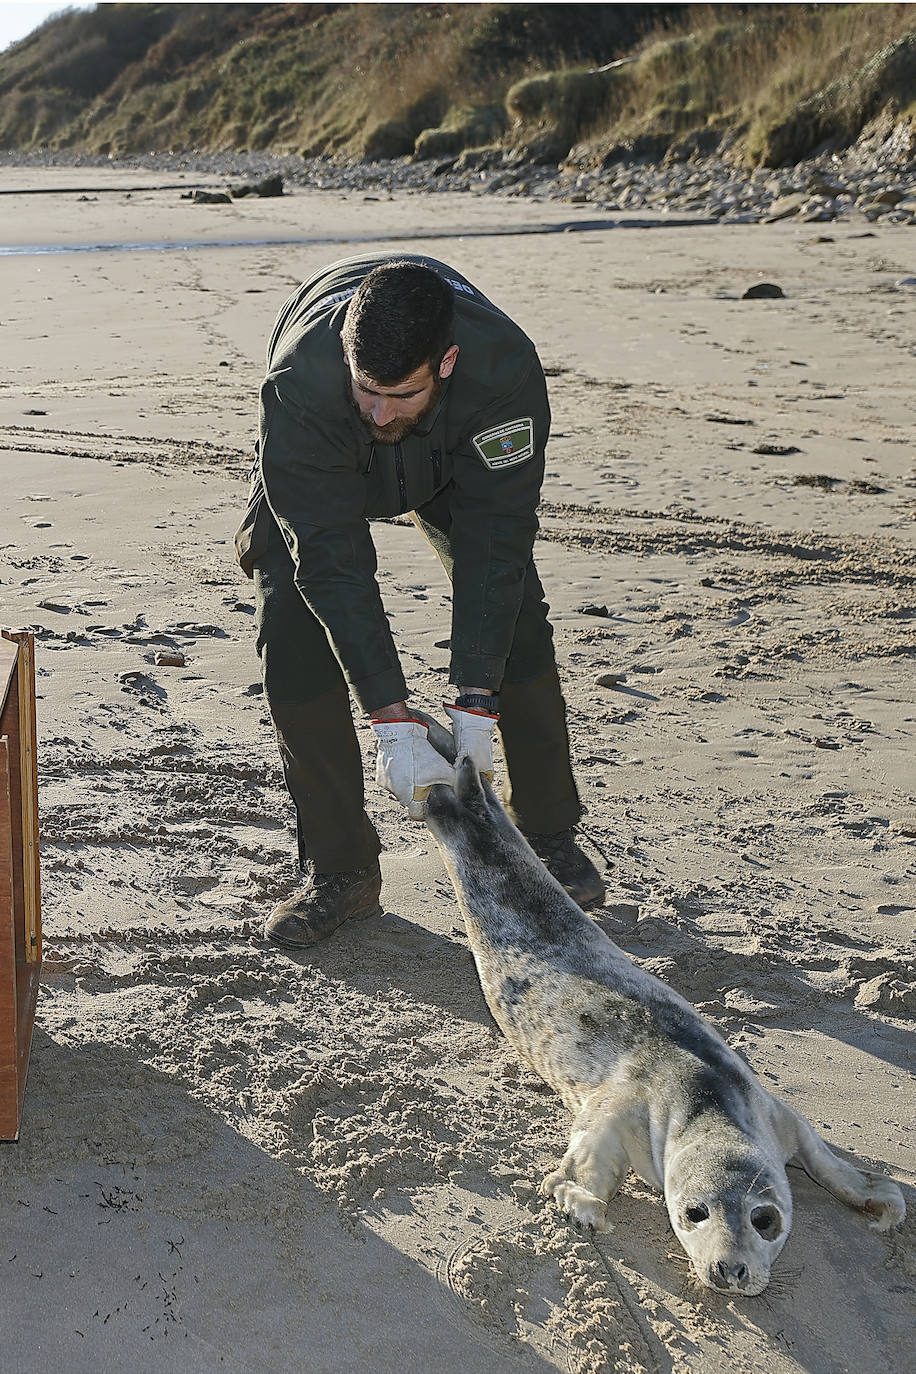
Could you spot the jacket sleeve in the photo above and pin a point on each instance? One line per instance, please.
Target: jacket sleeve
(315, 490)
(494, 523)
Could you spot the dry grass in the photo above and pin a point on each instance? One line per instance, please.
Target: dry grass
(298, 77)
(386, 79)
(781, 78)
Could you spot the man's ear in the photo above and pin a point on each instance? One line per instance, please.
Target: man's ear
(447, 366)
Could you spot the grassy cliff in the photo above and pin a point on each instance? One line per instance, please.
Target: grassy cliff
(386, 80)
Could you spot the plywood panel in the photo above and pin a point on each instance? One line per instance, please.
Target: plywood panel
(20, 893)
(9, 663)
(9, 1039)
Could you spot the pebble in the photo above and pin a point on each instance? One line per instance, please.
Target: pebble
(170, 660)
(610, 679)
(764, 291)
(866, 182)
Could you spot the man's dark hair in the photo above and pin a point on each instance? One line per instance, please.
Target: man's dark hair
(402, 316)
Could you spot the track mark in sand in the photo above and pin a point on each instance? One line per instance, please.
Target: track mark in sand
(175, 830)
(792, 557)
(509, 1318)
(121, 448)
(367, 1134)
(555, 1295)
(651, 1351)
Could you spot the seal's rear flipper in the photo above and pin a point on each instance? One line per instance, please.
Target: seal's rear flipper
(479, 799)
(473, 801)
(470, 785)
(877, 1196)
(439, 736)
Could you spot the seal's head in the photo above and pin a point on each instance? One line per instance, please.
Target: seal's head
(731, 1210)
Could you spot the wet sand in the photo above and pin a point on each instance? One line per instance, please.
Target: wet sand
(235, 1159)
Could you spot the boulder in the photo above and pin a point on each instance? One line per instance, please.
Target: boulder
(786, 206)
(270, 186)
(819, 185)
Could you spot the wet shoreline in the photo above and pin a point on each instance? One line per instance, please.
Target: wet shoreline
(496, 231)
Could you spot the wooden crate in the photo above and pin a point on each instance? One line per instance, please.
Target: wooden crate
(20, 892)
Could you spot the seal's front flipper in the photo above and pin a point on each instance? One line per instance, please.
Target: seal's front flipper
(595, 1164)
(878, 1197)
(578, 1203)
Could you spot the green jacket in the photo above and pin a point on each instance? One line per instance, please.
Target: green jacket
(320, 476)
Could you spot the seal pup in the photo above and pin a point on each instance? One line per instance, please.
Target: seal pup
(651, 1085)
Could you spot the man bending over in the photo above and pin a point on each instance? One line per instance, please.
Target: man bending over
(394, 386)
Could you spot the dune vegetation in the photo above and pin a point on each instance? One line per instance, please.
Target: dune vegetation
(767, 83)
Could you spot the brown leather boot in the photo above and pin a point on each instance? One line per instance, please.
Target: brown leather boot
(572, 869)
(324, 903)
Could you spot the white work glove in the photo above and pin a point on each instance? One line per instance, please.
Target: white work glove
(473, 731)
(407, 765)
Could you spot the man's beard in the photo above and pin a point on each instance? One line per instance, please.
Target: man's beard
(398, 429)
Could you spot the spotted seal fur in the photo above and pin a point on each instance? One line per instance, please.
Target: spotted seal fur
(651, 1085)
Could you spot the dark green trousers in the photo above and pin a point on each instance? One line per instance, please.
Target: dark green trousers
(310, 705)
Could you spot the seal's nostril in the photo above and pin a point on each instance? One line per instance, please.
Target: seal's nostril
(729, 1274)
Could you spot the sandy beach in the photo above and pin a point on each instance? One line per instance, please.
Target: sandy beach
(233, 1159)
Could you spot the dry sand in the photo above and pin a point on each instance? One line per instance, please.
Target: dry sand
(234, 1159)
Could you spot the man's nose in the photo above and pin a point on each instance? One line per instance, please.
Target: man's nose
(383, 411)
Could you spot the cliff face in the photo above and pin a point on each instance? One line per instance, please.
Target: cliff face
(769, 82)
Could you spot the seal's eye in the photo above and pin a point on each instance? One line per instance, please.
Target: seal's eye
(697, 1213)
(767, 1222)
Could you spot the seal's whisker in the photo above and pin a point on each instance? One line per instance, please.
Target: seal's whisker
(788, 1276)
(754, 1180)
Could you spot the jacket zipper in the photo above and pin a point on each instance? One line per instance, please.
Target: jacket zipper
(402, 483)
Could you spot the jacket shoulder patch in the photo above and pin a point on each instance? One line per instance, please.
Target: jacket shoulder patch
(504, 445)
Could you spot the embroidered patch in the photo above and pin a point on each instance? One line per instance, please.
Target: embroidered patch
(506, 444)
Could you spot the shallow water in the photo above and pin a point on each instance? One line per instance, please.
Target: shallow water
(497, 231)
